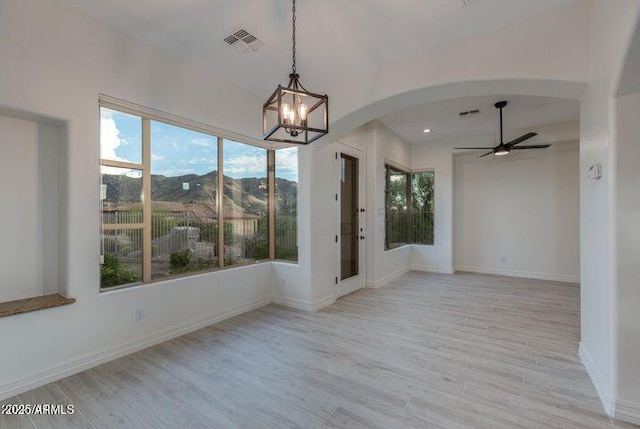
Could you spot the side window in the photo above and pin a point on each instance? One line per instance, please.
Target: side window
(422, 188)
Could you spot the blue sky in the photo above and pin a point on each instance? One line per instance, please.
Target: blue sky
(177, 151)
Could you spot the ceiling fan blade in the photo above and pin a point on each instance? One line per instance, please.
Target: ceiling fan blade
(488, 153)
(473, 148)
(521, 139)
(535, 146)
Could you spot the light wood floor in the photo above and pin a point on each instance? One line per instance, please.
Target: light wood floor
(428, 351)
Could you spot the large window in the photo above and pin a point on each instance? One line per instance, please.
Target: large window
(409, 207)
(422, 207)
(167, 188)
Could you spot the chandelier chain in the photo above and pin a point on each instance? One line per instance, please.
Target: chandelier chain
(293, 37)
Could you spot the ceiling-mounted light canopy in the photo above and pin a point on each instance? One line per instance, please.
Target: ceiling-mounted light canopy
(501, 151)
(292, 114)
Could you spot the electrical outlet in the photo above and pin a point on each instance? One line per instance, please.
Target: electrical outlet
(139, 314)
(503, 259)
(283, 283)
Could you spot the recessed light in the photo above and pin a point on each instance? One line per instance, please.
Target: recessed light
(426, 130)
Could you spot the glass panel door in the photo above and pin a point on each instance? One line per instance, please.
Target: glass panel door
(349, 233)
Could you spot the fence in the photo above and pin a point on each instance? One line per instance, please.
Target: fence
(421, 228)
(286, 237)
(245, 237)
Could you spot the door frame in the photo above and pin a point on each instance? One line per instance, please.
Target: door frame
(347, 286)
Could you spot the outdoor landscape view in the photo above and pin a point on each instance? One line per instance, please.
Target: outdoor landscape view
(184, 201)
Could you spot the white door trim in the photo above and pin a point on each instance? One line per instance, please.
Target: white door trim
(344, 287)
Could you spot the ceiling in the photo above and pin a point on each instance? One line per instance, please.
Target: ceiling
(335, 37)
(338, 38)
(522, 114)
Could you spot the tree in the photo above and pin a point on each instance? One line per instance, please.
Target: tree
(422, 192)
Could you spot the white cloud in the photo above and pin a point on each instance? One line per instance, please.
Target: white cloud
(287, 163)
(175, 171)
(204, 142)
(156, 157)
(246, 166)
(117, 171)
(110, 139)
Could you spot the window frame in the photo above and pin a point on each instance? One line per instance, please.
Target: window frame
(387, 198)
(148, 115)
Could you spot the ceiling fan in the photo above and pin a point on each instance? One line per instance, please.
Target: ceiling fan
(506, 148)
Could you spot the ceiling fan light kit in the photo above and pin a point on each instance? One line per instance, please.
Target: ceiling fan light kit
(503, 148)
(292, 114)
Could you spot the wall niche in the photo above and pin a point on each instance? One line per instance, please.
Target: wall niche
(32, 187)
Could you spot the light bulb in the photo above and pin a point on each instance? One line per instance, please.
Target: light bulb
(287, 113)
(302, 111)
(502, 152)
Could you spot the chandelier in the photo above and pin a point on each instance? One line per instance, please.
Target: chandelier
(292, 114)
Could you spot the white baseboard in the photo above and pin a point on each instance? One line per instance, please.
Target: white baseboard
(432, 269)
(614, 407)
(300, 304)
(521, 274)
(88, 361)
(603, 391)
(389, 277)
(627, 411)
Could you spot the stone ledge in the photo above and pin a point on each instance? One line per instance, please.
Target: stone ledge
(36, 303)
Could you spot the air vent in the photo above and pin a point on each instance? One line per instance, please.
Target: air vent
(243, 41)
(468, 2)
(468, 113)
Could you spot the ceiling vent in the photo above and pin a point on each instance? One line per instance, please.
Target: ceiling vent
(468, 113)
(243, 41)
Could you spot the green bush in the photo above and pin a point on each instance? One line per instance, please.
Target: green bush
(112, 273)
(180, 261)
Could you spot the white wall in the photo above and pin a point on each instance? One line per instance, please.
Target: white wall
(628, 255)
(20, 258)
(55, 63)
(393, 149)
(611, 24)
(29, 173)
(524, 208)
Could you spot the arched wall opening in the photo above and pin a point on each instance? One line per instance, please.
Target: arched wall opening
(317, 216)
(572, 90)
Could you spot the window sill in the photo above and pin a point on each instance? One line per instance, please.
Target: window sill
(402, 246)
(11, 308)
(178, 277)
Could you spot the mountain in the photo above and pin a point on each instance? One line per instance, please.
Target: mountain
(248, 194)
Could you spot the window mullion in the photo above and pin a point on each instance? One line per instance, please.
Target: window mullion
(146, 199)
(271, 179)
(387, 202)
(220, 203)
(409, 208)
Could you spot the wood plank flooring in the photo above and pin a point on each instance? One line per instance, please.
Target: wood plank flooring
(466, 351)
